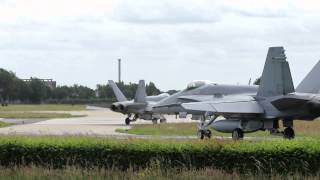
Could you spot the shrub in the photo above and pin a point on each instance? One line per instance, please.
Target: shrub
(246, 157)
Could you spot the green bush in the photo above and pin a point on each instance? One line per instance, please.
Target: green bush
(279, 157)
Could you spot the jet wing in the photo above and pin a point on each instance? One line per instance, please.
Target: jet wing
(247, 105)
(217, 97)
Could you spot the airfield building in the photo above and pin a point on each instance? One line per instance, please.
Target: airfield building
(49, 82)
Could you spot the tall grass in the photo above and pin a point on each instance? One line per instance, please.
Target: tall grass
(152, 172)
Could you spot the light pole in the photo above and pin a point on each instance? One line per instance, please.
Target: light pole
(119, 70)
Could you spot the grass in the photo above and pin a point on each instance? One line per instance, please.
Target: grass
(38, 111)
(4, 124)
(174, 129)
(35, 115)
(302, 129)
(43, 107)
(156, 173)
(168, 129)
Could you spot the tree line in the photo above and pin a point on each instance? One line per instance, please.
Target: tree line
(13, 89)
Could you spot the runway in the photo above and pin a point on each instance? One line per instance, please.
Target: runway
(98, 122)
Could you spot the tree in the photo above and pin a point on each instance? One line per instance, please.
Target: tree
(152, 89)
(105, 91)
(83, 92)
(6, 81)
(12, 88)
(73, 92)
(36, 91)
(39, 90)
(61, 92)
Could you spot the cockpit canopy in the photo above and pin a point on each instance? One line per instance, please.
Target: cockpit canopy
(198, 83)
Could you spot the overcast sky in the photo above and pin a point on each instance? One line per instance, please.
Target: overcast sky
(169, 42)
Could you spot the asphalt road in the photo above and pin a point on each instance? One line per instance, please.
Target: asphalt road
(98, 122)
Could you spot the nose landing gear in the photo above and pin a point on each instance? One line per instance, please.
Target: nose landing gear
(203, 127)
(204, 133)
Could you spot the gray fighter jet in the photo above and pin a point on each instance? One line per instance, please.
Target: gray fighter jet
(198, 91)
(275, 100)
(139, 107)
(201, 91)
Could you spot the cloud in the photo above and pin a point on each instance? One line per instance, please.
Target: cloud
(48, 10)
(168, 42)
(165, 12)
(196, 11)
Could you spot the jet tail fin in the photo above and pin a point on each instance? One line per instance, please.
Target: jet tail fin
(141, 92)
(311, 83)
(119, 95)
(276, 77)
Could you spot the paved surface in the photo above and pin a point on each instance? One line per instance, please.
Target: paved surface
(98, 122)
(22, 121)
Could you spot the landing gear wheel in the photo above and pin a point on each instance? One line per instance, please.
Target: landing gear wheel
(200, 134)
(127, 121)
(237, 134)
(163, 121)
(204, 133)
(208, 133)
(288, 133)
(154, 121)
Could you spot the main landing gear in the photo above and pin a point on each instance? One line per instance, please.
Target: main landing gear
(237, 134)
(128, 120)
(162, 121)
(288, 133)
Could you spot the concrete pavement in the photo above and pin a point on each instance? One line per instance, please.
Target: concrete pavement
(98, 122)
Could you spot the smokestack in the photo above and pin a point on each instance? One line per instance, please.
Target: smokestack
(119, 70)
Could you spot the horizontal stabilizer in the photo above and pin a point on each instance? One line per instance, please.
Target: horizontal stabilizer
(289, 103)
(119, 95)
(311, 83)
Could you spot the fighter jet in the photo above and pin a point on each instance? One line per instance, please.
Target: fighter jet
(198, 91)
(275, 100)
(139, 107)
